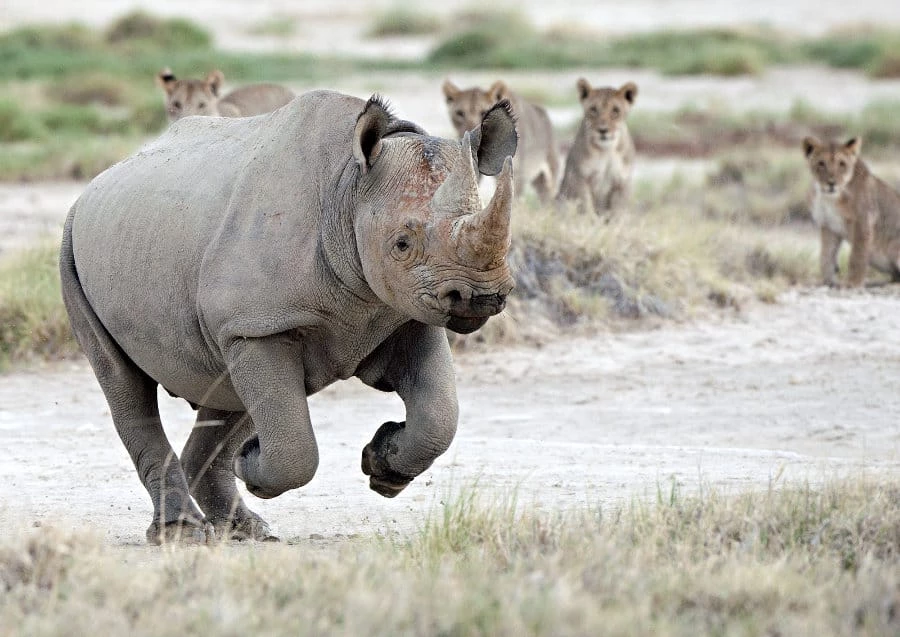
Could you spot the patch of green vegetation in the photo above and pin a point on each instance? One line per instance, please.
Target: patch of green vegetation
(864, 48)
(796, 560)
(278, 26)
(33, 321)
(80, 157)
(404, 21)
(140, 30)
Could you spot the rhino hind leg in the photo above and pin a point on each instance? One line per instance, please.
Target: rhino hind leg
(207, 460)
(131, 396)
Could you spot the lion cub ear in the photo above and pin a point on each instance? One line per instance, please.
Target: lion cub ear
(629, 92)
(810, 144)
(165, 79)
(498, 91)
(451, 91)
(584, 88)
(854, 145)
(214, 81)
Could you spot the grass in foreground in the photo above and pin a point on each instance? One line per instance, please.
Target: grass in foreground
(787, 561)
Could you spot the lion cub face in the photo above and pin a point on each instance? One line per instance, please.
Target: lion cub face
(190, 97)
(468, 107)
(605, 110)
(832, 164)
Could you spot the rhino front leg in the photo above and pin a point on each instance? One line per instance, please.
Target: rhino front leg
(208, 458)
(268, 375)
(416, 363)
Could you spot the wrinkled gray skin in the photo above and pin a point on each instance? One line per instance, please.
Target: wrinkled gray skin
(245, 264)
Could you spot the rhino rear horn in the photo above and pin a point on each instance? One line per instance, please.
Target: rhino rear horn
(371, 125)
(496, 139)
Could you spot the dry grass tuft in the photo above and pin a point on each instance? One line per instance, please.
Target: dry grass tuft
(797, 561)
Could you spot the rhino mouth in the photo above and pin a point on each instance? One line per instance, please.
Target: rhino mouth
(465, 324)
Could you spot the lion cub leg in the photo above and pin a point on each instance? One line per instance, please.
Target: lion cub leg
(860, 251)
(619, 193)
(543, 187)
(831, 244)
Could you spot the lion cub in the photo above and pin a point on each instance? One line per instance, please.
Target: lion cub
(535, 161)
(849, 202)
(201, 97)
(600, 162)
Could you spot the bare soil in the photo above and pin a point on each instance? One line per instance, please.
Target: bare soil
(805, 390)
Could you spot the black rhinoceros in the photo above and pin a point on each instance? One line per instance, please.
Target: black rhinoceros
(245, 264)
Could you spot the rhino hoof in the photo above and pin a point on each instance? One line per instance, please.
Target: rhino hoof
(382, 479)
(246, 468)
(250, 528)
(184, 532)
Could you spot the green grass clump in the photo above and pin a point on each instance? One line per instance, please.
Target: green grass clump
(33, 321)
(90, 88)
(865, 48)
(16, 124)
(141, 30)
(403, 21)
(786, 561)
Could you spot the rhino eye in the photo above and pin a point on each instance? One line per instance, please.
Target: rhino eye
(402, 248)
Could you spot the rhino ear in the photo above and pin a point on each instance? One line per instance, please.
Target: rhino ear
(371, 126)
(496, 140)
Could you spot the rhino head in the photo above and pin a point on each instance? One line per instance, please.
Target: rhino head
(427, 246)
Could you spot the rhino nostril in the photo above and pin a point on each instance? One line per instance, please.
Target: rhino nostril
(453, 297)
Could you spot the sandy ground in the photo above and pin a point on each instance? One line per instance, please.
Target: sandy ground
(803, 390)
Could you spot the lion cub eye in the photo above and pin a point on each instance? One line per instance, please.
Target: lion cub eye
(821, 164)
(842, 164)
(201, 105)
(593, 112)
(460, 112)
(615, 111)
(177, 104)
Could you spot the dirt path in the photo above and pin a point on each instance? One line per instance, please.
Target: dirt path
(805, 390)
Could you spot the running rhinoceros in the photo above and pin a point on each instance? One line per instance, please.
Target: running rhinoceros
(245, 264)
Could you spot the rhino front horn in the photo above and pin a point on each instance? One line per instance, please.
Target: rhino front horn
(485, 236)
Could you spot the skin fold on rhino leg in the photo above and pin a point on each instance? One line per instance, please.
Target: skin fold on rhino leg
(207, 460)
(131, 395)
(416, 363)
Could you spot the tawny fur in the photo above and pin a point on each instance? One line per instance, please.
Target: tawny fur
(849, 203)
(600, 163)
(536, 161)
(201, 97)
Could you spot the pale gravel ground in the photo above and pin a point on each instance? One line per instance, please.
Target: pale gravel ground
(803, 390)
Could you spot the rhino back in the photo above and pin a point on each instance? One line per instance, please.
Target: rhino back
(202, 197)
